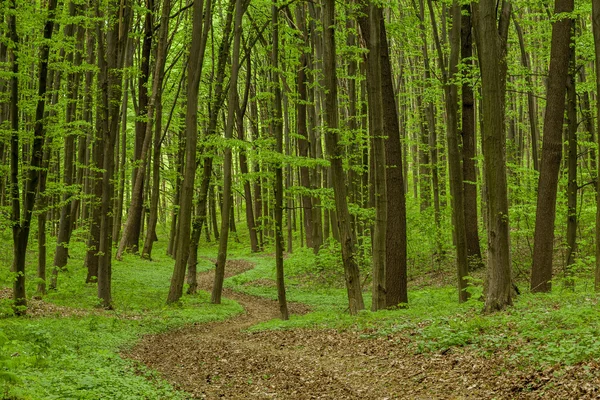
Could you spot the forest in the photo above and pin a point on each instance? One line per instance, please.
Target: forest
(298, 199)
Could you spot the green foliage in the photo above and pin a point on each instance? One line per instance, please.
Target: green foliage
(73, 351)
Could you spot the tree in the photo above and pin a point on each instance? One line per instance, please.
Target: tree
(278, 132)
(227, 204)
(22, 222)
(543, 245)
(596, 33)
(454, 156)
(110, 60)
(491, 35)
(129, 231)
(195, 64)
(468, 147)
(334, 150)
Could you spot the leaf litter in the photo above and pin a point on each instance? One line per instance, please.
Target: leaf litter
(223, 360)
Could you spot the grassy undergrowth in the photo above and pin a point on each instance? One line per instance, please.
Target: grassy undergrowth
(75, 355)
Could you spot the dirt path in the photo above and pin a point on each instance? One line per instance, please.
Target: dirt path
(219, 360)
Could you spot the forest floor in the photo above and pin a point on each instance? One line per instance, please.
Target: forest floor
(224, 360)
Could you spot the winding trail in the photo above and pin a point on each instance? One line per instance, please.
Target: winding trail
(221, 360)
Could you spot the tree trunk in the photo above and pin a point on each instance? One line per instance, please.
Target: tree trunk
(543, 246)
(278, 189)
(22, 223)
(596, 33)
(207, 169)
(531, 100)
(491, 44)
(371, 30)
(187, 188)
(129, 238)
(335, 151)
(572, 188)
(227, 162)
(469, 144)
(454, 156)
(241, 109)
(112, 61)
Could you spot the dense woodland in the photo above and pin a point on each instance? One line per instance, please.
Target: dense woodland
(398, 133)
(428, 158)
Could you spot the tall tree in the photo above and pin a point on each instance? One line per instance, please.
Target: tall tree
(22, 223)
(454, 156)
(129, 231)
(277, 122)
(491, 38)
(468, 146)
(372, 32)
(195, 64)
(596, 33)
(227, 162)
(335, 153)
(543, 246)
(111, 62)
(66, 218)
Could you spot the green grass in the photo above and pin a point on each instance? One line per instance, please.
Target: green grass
(62, 357)
(77, 357)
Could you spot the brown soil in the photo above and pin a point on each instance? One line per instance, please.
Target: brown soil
(221, 360)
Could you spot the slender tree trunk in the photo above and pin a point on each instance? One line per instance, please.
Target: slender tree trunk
(468, 149)
(22, 223)
(227, 162)
(207, 169)
(278, 132)
(454, 156)
(113, 65)
(241, 109)
(543, 247)
(154, 104)
(197, 49)
(335, 152)
(596, 33)
(61, 254)
(572, 166)
(531, 100)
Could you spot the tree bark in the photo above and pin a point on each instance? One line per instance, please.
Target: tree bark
(61, 254)
(531, 100)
